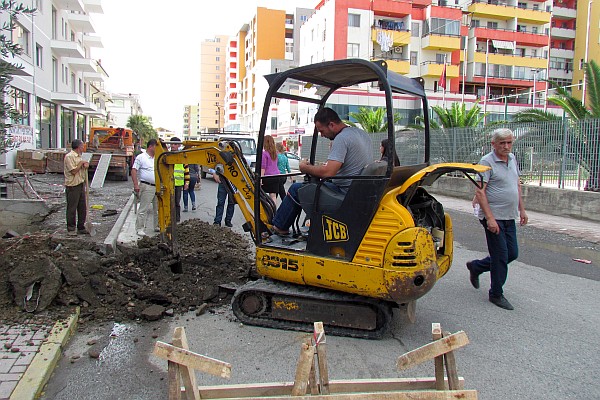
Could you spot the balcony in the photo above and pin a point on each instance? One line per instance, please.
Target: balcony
(81, 22)
(93, 41)
(522, 38)
(67, 99)
(421, 3)
(93, 6)
(391, 8)
(72, 5)
(563, 33)
(564, 13)
(64, 48)
(80, 64)
(514, 60)
(398, 66)
(504, 12)
(440, 42)
(432, 69)
(554, 73)
(25, 70)
(562, 53)
(399, 38)
(93, 77)
(87, 108)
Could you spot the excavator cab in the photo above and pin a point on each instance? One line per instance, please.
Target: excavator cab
(383, 244)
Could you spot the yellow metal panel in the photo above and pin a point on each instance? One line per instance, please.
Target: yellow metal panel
(400, 38)
(436, 70)
(440, 42)
(401, 67)
(280, 265)
(516, 61)
(492, 11)
(535, 17)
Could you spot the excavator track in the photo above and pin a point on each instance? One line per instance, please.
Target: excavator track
(280, 305)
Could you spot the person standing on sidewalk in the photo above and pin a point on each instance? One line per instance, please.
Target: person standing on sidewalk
(75, 170)
(283, 164)
(142, 174)
(221, 196)
(194, 178)
(500, 203)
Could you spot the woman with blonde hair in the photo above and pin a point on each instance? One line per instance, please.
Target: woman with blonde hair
(269, 167)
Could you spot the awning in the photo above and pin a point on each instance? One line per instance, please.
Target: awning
(502, 44)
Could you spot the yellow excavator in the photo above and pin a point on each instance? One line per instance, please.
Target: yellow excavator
(383, 244)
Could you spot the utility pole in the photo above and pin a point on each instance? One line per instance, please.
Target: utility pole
(587, 46)
(218, 117)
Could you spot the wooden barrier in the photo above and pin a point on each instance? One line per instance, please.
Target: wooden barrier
(312, 380)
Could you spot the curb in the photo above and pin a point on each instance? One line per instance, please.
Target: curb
(37, 374)
(110, 243)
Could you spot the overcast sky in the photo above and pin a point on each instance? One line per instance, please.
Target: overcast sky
(154, 51)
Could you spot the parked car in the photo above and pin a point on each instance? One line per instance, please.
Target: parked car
(294, 161)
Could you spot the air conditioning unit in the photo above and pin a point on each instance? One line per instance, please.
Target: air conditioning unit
(398, 49)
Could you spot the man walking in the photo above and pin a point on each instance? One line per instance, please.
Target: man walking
(142, 174)
(500, 204)
(221, 196)
(75, 171)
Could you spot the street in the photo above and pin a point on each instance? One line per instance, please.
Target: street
(544, 349)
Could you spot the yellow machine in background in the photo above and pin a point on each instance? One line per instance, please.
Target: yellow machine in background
(383, 244)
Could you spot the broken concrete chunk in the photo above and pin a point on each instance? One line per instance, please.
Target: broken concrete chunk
(153, 313)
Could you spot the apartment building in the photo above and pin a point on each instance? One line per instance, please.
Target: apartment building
(122, 106)
(213, 71)
(562, 42)
(60, 88)
(587, 45)
(231, 101)
(191, 122)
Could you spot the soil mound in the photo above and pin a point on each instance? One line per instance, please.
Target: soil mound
(124, 286)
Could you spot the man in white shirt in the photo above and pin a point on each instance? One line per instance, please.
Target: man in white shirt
(144, 187)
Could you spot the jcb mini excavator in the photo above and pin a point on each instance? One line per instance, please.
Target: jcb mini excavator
(383, 244)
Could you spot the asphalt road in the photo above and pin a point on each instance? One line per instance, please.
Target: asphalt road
(545, 349)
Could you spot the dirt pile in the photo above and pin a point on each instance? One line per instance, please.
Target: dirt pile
(124, 286)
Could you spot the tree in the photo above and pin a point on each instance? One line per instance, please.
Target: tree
(457, 116)
(141, 125)
(7, 69)
(371, 120)
(535, 115)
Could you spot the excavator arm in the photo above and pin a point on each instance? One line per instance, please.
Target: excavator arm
(226, 158)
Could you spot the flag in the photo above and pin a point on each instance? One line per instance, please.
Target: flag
(442, 82)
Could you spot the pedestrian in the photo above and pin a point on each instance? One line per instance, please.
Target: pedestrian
(500, 204)
(144, 188)
(181, 173)
(194, 170)
(384, 153)
(283, 164)
(75, 170)
(269, 167)
(351, 150)
(222, 195)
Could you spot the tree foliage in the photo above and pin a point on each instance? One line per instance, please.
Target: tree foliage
(457, 116)
(371, 120)
(7, 70)
(141, 125)
(535, 115)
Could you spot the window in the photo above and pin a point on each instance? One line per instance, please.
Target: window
(475, 23)
(217, 112)
(218, 67)
(217, 95)
(522, 5)
(217, 76)
(536, 7)
(39, 53)
(303, 18)
(217, 85)
(521, 28)
(354, 20)
(581, 65)
(20, 102)
(54, 16)
(492, 25)
(217, 58)
(273, 123)
(441, 26)
(439, 58)
(72, 36)
(353, 50)
(289, 47)
(54, 74)
(414, 57)
(72, 83)
(20, 36)
(534, 29)
(218, 49)
(415, 30)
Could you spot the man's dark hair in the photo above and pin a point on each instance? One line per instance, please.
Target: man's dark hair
(326, 115)
(151, 142)
(175, 139)
(76, 143)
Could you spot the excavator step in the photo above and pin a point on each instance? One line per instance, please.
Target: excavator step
(282, 305)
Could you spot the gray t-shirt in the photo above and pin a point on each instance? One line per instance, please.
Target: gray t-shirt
(352, 147)
(502, 190)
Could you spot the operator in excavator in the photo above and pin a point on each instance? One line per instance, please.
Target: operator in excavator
(350, 151)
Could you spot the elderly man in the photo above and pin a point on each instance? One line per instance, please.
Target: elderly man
(500, 204)
(142, 174)
(75, 171)
(351, 150)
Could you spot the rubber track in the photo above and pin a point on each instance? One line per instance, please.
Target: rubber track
(270, 288)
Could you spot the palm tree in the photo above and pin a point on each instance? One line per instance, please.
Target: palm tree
(142, 126)
(457, 116)
(371, 120)
(535, 115)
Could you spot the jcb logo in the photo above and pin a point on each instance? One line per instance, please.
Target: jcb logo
(334, 231)
(280, 262)
(211, 158)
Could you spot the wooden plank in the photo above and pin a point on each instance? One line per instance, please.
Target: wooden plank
(192, 360)
(335, 386)
(322, 357)
(305, 362)
(174, 381)
(451, 368)
(312, 378)
(422, 395)
(188, 376)
(432, 350)
(436, 333)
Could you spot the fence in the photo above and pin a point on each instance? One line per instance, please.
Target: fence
(560, 154)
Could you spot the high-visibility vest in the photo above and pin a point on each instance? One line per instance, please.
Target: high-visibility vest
(179, 174)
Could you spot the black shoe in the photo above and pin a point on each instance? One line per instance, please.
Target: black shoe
(501, 302)
(217, 223)
(229, 224)
(473, 277)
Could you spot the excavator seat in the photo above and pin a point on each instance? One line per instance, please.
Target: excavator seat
(318, 197)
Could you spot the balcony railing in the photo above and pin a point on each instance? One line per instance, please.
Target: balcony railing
(510, 55)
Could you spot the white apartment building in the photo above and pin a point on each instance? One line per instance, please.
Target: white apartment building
(60, 88)
(122, 106)
(191, 122)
